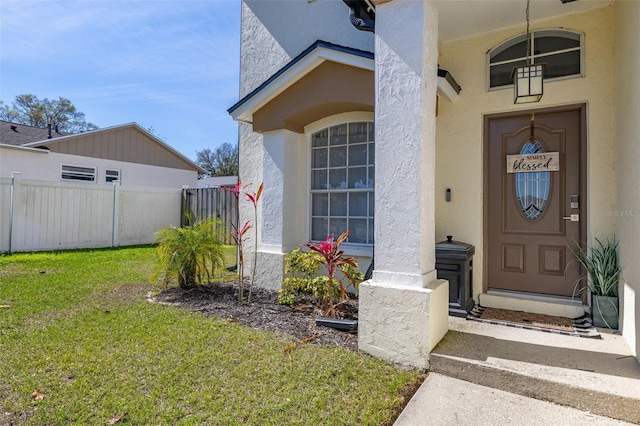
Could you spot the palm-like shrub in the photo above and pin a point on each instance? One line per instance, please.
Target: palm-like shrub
(190, 254)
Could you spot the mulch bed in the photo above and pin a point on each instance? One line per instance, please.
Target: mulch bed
(263, 313)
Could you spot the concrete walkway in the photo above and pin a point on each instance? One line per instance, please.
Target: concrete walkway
(443, 400)
(483, 374)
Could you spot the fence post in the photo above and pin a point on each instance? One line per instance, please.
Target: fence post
(14, 184)
(114, 221)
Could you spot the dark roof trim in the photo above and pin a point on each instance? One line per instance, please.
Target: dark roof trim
(307, 51)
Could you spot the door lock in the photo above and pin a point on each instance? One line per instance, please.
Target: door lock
(573, 218)
(574, 201)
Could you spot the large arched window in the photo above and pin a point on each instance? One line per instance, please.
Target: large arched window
(342, 181)
(561, 50)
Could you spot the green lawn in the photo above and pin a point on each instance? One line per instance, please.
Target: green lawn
(79, 331)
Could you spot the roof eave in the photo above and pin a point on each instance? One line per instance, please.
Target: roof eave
(295, 70)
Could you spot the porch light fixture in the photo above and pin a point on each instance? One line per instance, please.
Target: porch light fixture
(527, 79)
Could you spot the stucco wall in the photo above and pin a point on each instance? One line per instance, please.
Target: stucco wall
(275, 32)
(272, 34)
(627, 207)
(35, 164)
(459, 144)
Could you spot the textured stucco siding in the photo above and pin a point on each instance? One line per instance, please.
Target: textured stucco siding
(403, 310)
(402, 324)
(627, 207)
(272, 34)
(405, 131)
(459, 155)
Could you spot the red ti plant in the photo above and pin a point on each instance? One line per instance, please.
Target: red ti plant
(238, 236)
(254, 198)
(333, 259)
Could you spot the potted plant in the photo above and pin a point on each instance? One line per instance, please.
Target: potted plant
(602, 272)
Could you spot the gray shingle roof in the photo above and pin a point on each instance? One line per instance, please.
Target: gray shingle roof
(21, 134)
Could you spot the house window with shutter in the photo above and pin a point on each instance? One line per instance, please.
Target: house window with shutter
(111, 175)
(78, 173)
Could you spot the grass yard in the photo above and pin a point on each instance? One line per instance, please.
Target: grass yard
(76, 327)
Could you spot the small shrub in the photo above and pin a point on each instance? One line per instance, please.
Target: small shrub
(334, 260)
(190, 254)
(301, 275)
(300, 268)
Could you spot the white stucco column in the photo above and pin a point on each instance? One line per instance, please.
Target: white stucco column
(280, 212)
(404, 308)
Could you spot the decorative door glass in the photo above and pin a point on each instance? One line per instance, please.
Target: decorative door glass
(532, 188)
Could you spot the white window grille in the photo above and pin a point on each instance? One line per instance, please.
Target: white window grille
(342, 182)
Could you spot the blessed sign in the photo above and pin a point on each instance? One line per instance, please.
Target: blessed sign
(540, 162)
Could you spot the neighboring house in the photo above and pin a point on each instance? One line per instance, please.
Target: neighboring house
(217, 181)
(108, 187)
(360, 130)
(126, 153)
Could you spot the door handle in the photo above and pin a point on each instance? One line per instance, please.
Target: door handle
(573, 218)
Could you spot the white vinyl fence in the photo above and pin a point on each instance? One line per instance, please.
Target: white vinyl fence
(42, 215)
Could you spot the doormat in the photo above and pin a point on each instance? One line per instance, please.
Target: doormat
(580, 326)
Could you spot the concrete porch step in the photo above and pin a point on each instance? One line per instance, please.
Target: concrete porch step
(536, 303)
(599, 376)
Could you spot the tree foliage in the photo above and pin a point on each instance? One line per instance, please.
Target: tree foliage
(28, 109)
(223, 161)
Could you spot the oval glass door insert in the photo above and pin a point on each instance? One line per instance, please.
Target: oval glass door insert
(532, 188)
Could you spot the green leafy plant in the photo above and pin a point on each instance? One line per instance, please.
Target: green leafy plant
(601, 266)
(190, 254)
(300, 268)
(334, 260)
(301, 279)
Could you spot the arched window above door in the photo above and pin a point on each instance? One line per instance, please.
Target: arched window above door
(561, 50)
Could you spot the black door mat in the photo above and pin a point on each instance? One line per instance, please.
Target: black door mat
(580, 326)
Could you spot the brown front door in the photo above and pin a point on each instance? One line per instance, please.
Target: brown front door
(529, 225)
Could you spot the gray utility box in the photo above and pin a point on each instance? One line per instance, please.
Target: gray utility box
(454, 262)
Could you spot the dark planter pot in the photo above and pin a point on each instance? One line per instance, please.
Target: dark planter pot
(339, 324)
(604, 311)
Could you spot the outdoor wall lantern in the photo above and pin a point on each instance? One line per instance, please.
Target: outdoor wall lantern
(527, 79)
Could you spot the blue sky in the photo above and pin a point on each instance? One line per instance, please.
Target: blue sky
(170, 65)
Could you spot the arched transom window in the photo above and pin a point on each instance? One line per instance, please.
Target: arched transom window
(561, 50)
(342, 181)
